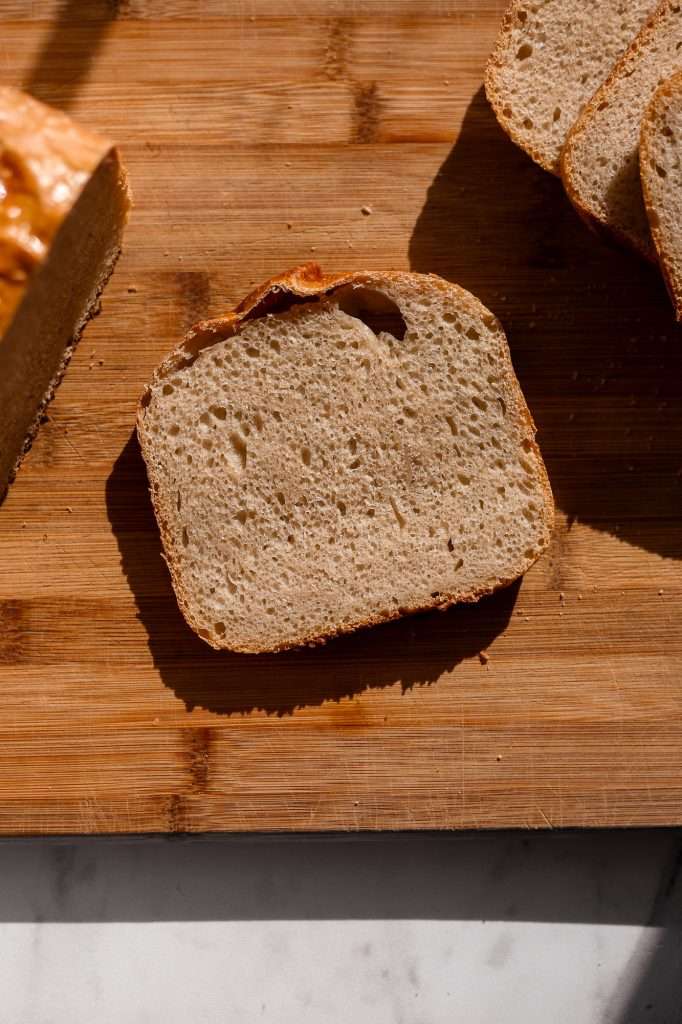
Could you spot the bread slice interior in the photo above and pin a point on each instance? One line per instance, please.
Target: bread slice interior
(339, 452)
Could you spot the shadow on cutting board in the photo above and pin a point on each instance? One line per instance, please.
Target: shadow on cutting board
(591, 330)
(69, 50)
(414, 651)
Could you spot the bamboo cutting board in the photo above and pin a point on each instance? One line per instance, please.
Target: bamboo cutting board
(255, 133)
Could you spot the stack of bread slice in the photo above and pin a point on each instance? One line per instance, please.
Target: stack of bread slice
(591, 89)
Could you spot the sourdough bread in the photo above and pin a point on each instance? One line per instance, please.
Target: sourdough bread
(660, 159)
(339, 451)
(600, 161)
(63, 204)
(549, 58)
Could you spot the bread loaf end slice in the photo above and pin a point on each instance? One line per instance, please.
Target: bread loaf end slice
(660, 157)
(339, 451)
(64, 202)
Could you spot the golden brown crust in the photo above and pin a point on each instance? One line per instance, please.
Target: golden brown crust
(308, 281)
(45, 161)
(665, 91)
(620, 69)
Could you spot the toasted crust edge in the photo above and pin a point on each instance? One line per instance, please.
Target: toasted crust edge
(588, 215)
(665, 90)
(308, 281)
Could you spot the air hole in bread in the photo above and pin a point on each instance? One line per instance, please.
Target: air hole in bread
(524, 51)
(375, 309)
(218, 411)
(305, 456)
(453, 426)
(237, 451)
(168, 389)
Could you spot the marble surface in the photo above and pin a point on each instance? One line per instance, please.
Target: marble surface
(530, 928)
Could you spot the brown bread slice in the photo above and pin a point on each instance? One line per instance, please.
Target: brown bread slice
(600, 161)
(660, 158)
(63, 204)
(549, 58)
(339, 451)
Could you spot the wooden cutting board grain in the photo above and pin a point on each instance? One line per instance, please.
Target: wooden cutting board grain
(254, 139)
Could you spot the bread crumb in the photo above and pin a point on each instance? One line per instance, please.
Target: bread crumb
(483, 657)
(44, 536)
(289, 225)
(366, 210)
(69, 509)
(562, 596)
(155, 721)
(132, 288)
(660, 592)
(498, 757)
(23, 526)
(580, 597)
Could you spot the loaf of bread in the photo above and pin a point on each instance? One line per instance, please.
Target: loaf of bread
(660, 160)
(63, 204)
(600, 161)
(549, 59)
(339, 451)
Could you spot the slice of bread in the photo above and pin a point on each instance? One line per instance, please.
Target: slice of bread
(339, 451)
(63, 204)
(549, 58)
(600, 161)
(660, 159)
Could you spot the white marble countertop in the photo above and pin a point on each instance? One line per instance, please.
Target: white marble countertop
(580, 928)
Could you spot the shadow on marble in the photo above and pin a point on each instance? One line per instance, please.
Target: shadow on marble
(610, 877)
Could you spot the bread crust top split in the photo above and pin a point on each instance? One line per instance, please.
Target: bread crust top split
(276, 302)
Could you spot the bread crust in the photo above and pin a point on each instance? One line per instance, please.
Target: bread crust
(49, 160)
(496, 62)
(621, 69)
(519, 18)
(666, 90)
(308, 281)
